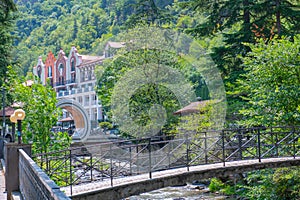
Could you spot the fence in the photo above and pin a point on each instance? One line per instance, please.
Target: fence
(108, 161)
(34, 183)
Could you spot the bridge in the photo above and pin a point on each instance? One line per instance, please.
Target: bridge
(119, 169)
(133, 185)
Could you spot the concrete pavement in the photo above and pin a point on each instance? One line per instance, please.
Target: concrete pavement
(3, 195)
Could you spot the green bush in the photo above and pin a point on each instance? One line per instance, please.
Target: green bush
(216, 185)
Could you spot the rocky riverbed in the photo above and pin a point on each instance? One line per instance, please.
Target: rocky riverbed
(187, 192)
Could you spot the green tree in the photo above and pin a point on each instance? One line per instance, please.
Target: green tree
(142, 70)
(271, 85)
(7, 7)
(148, 12)
(240, 22)
(39, 103)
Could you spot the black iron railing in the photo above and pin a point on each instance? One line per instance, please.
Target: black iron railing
(111, 160)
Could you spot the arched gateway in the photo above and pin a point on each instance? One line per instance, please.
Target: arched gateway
(81, 118)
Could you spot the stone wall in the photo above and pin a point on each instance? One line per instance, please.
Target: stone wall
(34, 183)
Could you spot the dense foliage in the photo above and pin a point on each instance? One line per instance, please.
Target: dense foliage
(39, 103)
(271, 84)
(7, 7)
(255, 45)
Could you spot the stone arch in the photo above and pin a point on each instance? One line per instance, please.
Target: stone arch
(81, 118)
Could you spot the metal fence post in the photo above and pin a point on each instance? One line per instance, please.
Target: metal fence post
(111, 165)
(187, 151)
(223, 147)
(240, 145)
(91, 166)
(130, 159)
(205, 146)
(149, 149)
(276, 142)
(169, 155)
(294, 143)
(137, 157)
(259, 145)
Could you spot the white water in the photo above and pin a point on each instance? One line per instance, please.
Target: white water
(178, 193)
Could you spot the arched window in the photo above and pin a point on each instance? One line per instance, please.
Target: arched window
(72, 65)
(73, 78)
(49, 71)
(39, 71)
(61, 69)
(61, 74)
(90, 75)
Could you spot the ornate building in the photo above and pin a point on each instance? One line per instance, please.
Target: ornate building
(72, 77)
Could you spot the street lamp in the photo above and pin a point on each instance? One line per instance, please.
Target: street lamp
(19, 114)
(13, 119)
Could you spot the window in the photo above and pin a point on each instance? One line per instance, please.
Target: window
(61, 69)
(82, 77)
(73, 78)
(90, 75)
(49, 71)
(80, 100)
(72, 65)
(87, 100)
(39, 71)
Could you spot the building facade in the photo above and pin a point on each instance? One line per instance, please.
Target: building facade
(72, 77)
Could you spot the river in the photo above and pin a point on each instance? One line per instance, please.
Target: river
(188, 192)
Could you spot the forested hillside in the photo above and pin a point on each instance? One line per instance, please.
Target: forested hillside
(50, 25)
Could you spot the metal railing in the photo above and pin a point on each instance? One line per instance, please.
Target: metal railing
(108, 161)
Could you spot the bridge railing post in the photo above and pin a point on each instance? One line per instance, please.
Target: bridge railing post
(259, 145)
(91, 166)
(187, 152)
(294, 143)
(205, 147)
(223, 147)
(130, 160)
(111, 165)
(240, 145)
(149, 150)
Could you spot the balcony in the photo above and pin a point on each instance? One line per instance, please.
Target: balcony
(59, 84)
(64, 83)
(71, 82)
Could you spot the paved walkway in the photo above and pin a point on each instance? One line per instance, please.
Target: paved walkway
(104, 185)
(2, 184)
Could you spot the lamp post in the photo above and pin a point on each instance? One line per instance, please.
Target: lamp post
(13, 119)
(19, 114)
